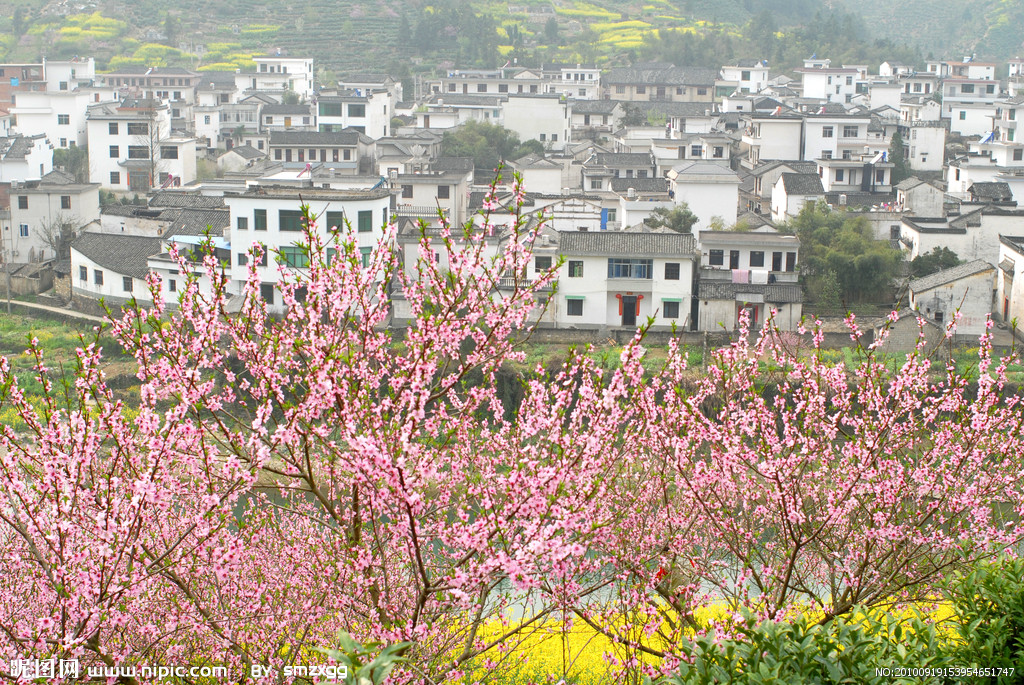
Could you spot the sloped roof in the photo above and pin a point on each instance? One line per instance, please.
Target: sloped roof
(349, 136)
(175, 198)
(594, 106)
(909, 183)
(782, 293)
(626, 244)
(535, 161)
(802, 184)
(459, 164)
(662, 73)
(247, 152)
(187, 221)
(617, 159)
(124, 254)
(991, 190)
(950, 275)
(643, 185)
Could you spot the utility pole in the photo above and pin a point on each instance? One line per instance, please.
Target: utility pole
(7, 272)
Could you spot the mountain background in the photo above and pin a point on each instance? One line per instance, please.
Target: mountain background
(419, 35)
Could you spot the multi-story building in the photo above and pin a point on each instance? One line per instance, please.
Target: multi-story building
(833, 135)
(132, 147)
(347, 152)
(746, 75)
(546, 118)
(46, 214)
(610, 279)
(25, 157)
(366, 111)
(1010, 280)
(269, 215)
(279, 74)
(58, 114)
(660, 81)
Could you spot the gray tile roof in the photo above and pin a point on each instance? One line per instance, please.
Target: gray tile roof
(247, 152)
(950, 275)
(17, 147)
(626, 244)
(991, 190)
(672, 109)
(173, 198)
(661, 73)
(802, 184)
(620, 159)
(594, 106)
(122, 254)
(196, 221)
(778, 293)
(1014, 242)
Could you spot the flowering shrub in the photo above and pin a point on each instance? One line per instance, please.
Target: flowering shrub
(287, 479)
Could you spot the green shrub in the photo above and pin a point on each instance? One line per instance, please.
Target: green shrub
(989, 606)
(846, 650)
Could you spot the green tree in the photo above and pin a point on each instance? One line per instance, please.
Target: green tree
(487, 144)
(938, 259)
(74, 160)
(897, 155)
(843, 244)
(171, 30)
(551, 31)
(679, 218)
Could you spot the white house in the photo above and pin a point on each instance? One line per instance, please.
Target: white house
(280, 73)
(924, 144)
(710, 189)
(363, 110)
(971, 235)
(620, 278)
(25, 157)
(827, 83)
(60, 115)
(47, 212)
(540, 174)
(754, 272)
(750, 76)
(546, 118)
(967, 287)
(579, 82)
(1010, 280)
(792, 192)
(132, 149)
(766, 137)
(969, 118)
(270, 216)
(836, 136)
(112, 267)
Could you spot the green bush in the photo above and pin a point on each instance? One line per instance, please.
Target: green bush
(989, 607)
(845, 650)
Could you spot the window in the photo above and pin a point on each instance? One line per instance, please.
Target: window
(23, 202)
(826, 154)
(744, 75)
(966, 87)
(595, 184)
(879, 175)
(365, 253)
(990, 89)
(112, 128)
(63, 119)
(827, 131)
(791, 261)
(849, 80)
(65, 202)
(575, 268)
(277, 154)
(702, 91)
(364, 221)
(294, 256)
(63, 142)
(267, 292)
(695, 150)
(443, 192)
(346, 155)
(115, 151)
(138, 152)
(849, 131)
(172, 285)
(672, 271)
(543, 137)
(406, 191)
(243, 223)
(756, 258)
(23, 230)
(716, 257)
(357, 110)
(330, 109)
(574, 306)
(169, 152)
(1018, 155)
(83, 273)
(670, 309)
(97, 277)
(243, 259)
(847, 154)
(541, 264)
(138, 128)
(289, 220)
(719, 152)
(335, 220)
(963, 115)
(630, 268)
(502, 87)
(840, 174)
(115, 178)
(126, 283)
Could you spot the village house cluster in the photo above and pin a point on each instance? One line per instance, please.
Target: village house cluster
(744, 147)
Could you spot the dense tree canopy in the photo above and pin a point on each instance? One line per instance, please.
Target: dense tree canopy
(842, 244)
(938, 259)
(487, 144)
(679, 218)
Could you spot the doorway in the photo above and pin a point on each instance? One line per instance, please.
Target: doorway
(629, 310)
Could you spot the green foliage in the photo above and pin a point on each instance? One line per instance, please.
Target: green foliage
(938, 259)
(361, 668)
(845, 650)
(843, 244)
(989, 606)
(74, 160)
(897, 156)
(679, 218)
(487, 144)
